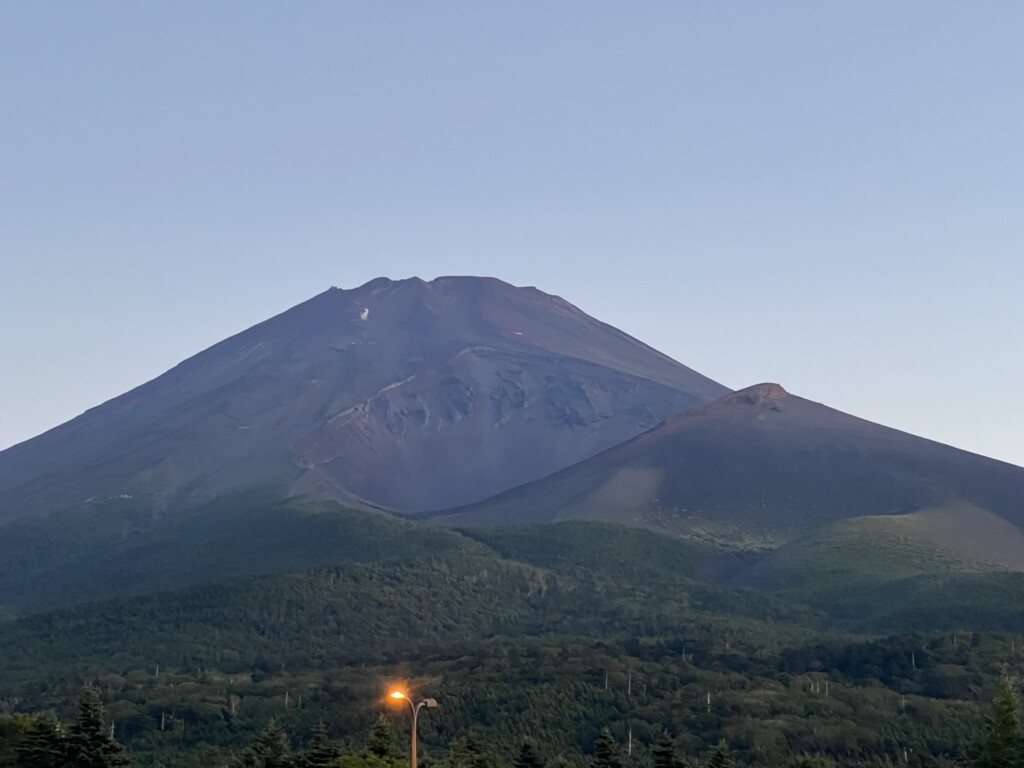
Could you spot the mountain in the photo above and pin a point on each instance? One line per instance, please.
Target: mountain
(760, 467)
(407, 394)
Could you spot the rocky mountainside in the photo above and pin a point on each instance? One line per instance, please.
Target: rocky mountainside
(407, 394)
(760, 467)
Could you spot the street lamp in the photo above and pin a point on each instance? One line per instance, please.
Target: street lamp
(396, 696)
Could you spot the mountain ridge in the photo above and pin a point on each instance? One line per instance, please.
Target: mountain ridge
(775, 465)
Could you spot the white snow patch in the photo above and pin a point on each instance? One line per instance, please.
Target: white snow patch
(365, 314)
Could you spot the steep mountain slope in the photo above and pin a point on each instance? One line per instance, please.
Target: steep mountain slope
(759, 467)
(408, 395)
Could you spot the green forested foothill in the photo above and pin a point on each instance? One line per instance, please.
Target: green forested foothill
(551, 634)
(118, 547)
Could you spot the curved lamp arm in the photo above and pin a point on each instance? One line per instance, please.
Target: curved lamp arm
(428, 703)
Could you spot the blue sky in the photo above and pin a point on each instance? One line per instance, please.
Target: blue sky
(827, 195)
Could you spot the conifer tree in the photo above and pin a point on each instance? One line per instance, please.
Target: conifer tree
(466, 752)
(1002, 745)
(528, 757)
(721, 758)
(269, 749)
(322, 751)
(606, 752)
(665, 753)
(382, 740)
(89, 743)
(43, 746)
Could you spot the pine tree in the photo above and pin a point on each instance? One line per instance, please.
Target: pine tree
(606, 752)
(382, 740)
(322, 751)
(269, 749)
(665, 753)
(44, 745)
(528, 757)
(466, 752)
(1002, 745)
(721, 758)
(89, 743)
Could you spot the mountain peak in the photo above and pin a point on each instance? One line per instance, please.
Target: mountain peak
(382, 282)
(758, 393)
(376, 394)
(737, 404)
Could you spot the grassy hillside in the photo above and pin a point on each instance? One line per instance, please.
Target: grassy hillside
(956, 537)
(944, 567)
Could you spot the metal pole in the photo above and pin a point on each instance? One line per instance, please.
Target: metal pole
(415, 707)
(415, 712)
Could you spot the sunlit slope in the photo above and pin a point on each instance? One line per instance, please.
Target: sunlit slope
(955, 538)
(945, 567)
(408, 395)
(757, 468)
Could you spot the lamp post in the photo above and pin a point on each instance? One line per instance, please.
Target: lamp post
(415, 707)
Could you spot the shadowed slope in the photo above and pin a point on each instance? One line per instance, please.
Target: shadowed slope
(763, 466)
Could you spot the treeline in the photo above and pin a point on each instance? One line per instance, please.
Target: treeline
(613, 716)
(42, 741)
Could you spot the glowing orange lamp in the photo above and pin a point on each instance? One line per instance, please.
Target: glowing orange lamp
(397, 695)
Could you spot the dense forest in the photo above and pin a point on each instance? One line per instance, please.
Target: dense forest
(39, 740)
(548, 636)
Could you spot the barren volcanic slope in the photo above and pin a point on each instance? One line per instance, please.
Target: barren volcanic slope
(407, 395)
(760, 467)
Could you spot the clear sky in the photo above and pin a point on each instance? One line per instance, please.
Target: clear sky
(829, 195)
